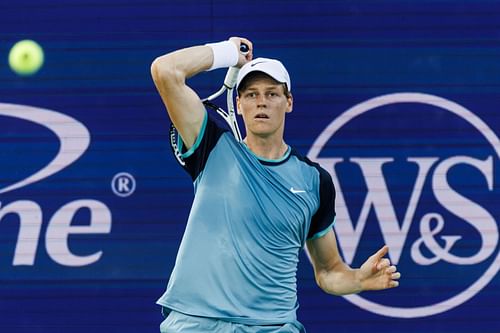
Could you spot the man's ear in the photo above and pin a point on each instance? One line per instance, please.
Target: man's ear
(290, 102)
(238, 105)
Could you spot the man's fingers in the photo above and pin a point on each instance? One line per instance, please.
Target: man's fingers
(248, 55)
(391, 269)
(387, 273)
(382, 252)
(383, 264)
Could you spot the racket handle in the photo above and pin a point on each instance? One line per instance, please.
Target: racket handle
(244, 49)
(232, 72)
(231, 76)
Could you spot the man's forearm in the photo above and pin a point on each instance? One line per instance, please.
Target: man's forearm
(341, 281)
(182, 64)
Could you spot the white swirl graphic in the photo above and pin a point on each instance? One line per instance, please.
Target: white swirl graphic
(74, 139)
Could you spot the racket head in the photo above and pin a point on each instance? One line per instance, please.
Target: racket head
(176, 145)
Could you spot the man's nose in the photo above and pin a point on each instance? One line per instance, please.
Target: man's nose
(261, 100)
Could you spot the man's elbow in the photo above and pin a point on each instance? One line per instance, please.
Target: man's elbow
(327, 283)
(323, 283)
(165, 72)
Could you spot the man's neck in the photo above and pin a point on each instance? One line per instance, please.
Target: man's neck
(268, 148)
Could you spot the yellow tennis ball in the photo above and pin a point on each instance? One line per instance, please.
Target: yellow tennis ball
(26, 57)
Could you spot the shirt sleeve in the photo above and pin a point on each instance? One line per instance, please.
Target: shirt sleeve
(324, 218)
(195, 158)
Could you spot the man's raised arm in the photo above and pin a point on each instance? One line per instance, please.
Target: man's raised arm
(170, 72)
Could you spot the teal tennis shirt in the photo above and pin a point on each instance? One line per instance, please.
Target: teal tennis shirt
(249, 220)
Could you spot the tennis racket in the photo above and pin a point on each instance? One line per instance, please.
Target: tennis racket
(229, 116)
(229, 85)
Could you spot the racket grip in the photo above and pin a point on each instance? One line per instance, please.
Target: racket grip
(244, 49)
(232, 72)
(231, 76)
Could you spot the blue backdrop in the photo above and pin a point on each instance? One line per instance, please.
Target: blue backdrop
(398, 100)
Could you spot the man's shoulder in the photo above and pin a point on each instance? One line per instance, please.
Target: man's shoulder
(324, 175)
(306, 160)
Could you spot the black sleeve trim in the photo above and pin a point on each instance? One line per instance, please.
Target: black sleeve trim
(195, 162)
(324, 217)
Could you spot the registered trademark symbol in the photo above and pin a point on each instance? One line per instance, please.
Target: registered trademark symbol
(123, 184)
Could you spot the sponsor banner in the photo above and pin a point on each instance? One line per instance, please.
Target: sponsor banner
(430, 197)
(397, 100)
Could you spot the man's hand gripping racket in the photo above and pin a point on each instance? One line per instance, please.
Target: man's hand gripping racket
(229, 86)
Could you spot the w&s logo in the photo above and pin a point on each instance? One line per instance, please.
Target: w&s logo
(417, 172)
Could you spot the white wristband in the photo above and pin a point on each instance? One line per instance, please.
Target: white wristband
(225, 54)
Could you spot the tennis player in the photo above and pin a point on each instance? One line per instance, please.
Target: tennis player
(256, 204)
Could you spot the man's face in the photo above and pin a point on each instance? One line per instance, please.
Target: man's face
(263, 105)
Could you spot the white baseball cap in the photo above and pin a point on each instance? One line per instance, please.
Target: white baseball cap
(272, 67)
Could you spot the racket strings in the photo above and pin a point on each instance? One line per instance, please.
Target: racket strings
(228, 117)
(175, 146)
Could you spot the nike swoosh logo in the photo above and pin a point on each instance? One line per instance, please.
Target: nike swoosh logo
(256, 63)
(294, 191)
